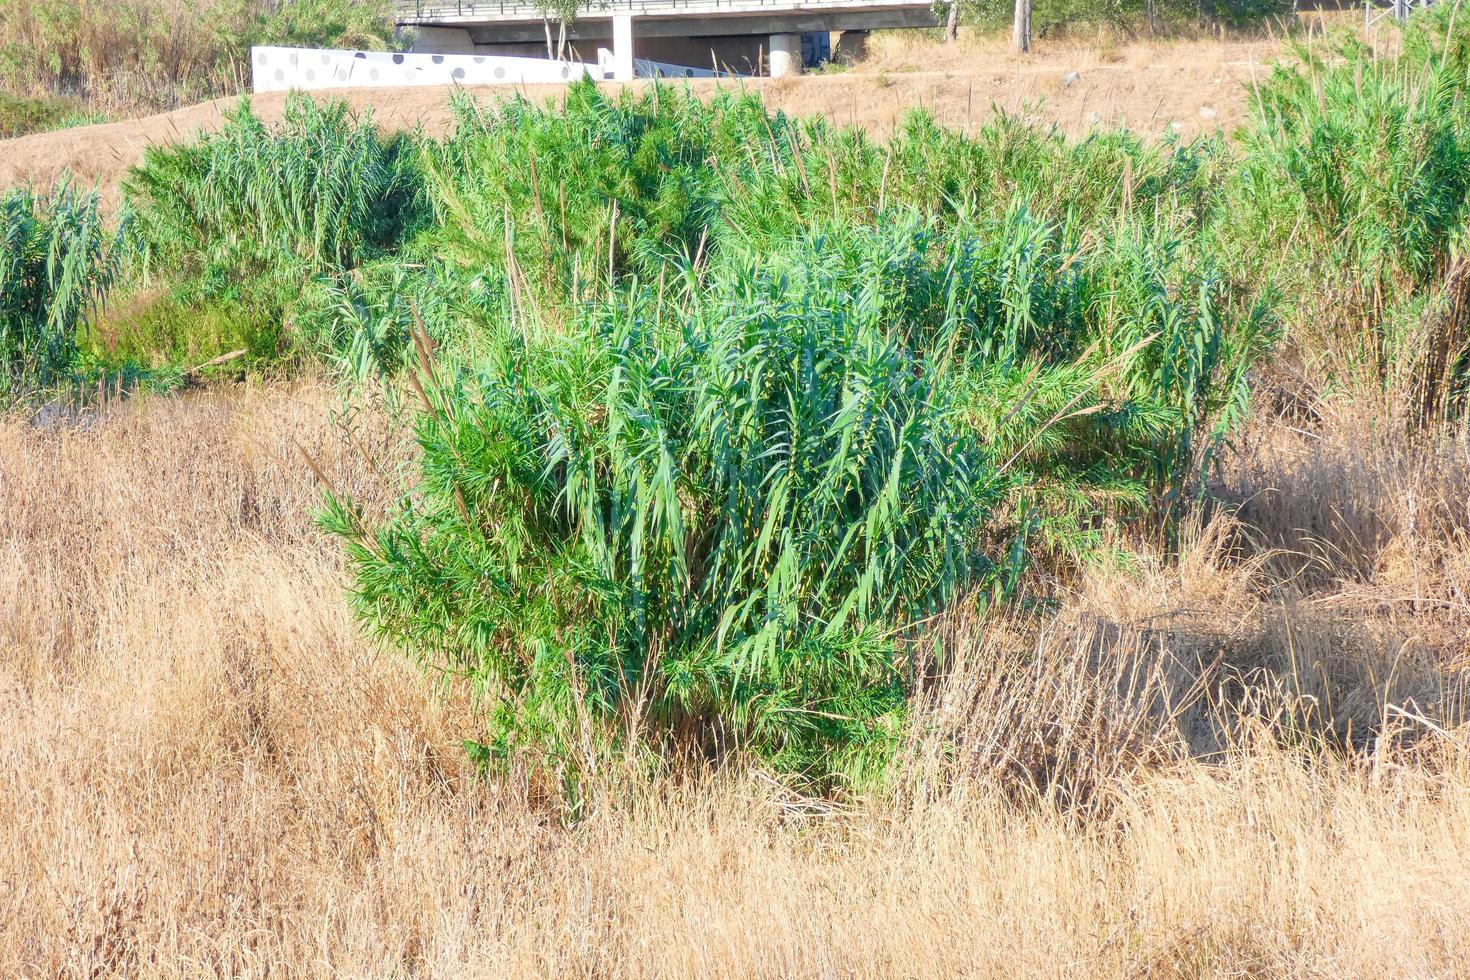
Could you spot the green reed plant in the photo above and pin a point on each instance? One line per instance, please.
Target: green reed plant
(1101, 373)
(708, 514)
(818, 172)
(57, 261)
(22, 115)
(714, 406)
(319, 193)
(578, 193)
(1353, 198)
(568, 195)
(362, 321)
(702, 520)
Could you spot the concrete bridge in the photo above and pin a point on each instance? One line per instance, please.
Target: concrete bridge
(750, 36)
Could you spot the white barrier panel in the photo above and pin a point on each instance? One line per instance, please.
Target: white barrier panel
(644, 68)
(280, 69)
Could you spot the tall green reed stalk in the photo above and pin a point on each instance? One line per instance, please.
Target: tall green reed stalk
(1353, 198)
(57, 261)
(321, 192)
(715, 407)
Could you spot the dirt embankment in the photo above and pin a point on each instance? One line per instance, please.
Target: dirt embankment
(1186, 87)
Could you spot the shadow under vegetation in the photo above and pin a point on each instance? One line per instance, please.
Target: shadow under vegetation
(1197, 659)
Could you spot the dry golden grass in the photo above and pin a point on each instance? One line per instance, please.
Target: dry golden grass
(203, 770)
(1371, 519)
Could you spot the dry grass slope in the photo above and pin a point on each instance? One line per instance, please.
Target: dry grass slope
(205, 771)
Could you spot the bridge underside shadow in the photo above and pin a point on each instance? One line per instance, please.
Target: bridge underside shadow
(745, 36)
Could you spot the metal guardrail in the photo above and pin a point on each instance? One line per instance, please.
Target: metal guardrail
(438, 11)
(1377, 10)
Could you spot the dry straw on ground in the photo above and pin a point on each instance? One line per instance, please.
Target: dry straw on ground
(205, 771)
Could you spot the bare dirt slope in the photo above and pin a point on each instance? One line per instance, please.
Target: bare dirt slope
(1185, 87)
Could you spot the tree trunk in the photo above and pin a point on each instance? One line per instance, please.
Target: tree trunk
(952, 22)
(1021, 31)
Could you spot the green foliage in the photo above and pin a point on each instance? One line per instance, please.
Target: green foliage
(817, 173)
(717, 405)
(1104, 374)
(363, 321)
(1128, 15)
(319, 193)
(708, 511)
(125, 52)
(56, 262)
(561, 197)
(1353, 196)
(243, 221)
(179, 330)
(564, 194)
(350, 24)
(23, 115)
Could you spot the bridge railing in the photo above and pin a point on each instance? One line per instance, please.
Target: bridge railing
(432, 11)
(1377, 10)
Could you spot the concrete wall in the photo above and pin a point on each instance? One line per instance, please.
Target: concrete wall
(442, 40)
(743, 54)
(644, 68)
(279, 69)
(282, 69)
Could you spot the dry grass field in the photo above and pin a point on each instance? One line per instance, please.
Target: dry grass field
(205, 771)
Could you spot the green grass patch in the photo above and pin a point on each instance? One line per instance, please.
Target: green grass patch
(21, 115)
(167, 330)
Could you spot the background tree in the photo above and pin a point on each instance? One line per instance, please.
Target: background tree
(563, 12)
(1021, 27)
(1128, 16)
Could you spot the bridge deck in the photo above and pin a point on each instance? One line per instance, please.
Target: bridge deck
(457, 12)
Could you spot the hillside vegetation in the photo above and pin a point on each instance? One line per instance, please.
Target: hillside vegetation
(692, 410)
(67, 62)
(715, 406)
(802, 531)
(129, 55)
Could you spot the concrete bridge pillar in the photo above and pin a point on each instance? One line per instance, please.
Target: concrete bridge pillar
(785, 56)
(442, 40)
(852, 47)
(623, 47)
